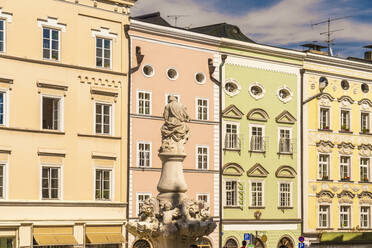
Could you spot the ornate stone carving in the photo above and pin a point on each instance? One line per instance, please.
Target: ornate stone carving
(325, 193)
(346, 99)
(365, 194)
(365, 101)
(355, 188)
(334, 188)
(324, 200)
(345, 148)
(346, 193)
(325, 146)
(174, 131)
(345, 200)
(365, 150)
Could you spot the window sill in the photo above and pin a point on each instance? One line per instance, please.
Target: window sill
(325, 130)
(103, 200)
(345, 229)
(365, 133)
(324, 180)
(256, 151)
(103, 136)
(285, 153)
(285, 208)
(232, 207)
(324, 229)
(345, 181)
(32, 130)
(52, 60)
(364, 182)
(104, 68)
(250, 207)
(232, 149)
(345, 131)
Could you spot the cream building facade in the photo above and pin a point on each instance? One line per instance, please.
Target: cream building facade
(63, 123)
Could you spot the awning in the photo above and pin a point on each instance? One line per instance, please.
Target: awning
(104, 235)
(346, 237)
(47, 235)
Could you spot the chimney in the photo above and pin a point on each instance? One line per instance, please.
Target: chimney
(368, 53)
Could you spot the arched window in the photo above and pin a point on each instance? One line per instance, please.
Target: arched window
(231, 243)
(141, 244)
(285, 242)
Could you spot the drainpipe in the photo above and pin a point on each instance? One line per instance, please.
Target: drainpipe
(302, 71)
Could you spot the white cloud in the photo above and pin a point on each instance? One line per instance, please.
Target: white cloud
(288, 21)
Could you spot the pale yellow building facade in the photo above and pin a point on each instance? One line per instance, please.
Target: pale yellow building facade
(63, 123)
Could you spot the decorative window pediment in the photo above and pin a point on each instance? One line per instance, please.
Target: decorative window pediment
(285, 171)
(258, 115)
(345, 148)
(365, 150)
(346, 193)
(285, 117)
(325, 193)
(257, 170)
(345, 98)
(232, 169)
(365, 101)
(366, 194)
(325, 146)
(232, 112)
(325, 99)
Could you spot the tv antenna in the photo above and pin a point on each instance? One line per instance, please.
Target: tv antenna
(329, 32)
(176, 17)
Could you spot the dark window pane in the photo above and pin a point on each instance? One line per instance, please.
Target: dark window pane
(46, 43)
(1, 46)
(98, 128)
(107, 54)
(1, 25)
(99, 52)
(2, 36)
(99, 42)
(107, 63)
(54, 34)
(46, 53)
(106, 110)
(54, 54)
(45, 193)
(98, 108)
(54, 193)
(107, 44)
(106, 129)
(106, 119)
(46, 33)
(99, 118)
(99, 62)
(55, 45)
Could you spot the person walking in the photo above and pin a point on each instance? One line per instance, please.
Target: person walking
(244, 244)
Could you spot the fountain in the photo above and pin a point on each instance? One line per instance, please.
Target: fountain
(171, 220)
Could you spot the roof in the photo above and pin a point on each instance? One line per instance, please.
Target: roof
(223, 30)
(314, 46)
(360, 60)
(153, 18)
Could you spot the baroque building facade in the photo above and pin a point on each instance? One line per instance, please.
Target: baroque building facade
(63, 71)
(336, 151)
(261, 157)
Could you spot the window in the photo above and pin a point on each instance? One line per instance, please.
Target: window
(200, 78)
(232, 138)
(103, 184)
(143, 103)
(231, 193)
(50, 182)
(52, 113)
(345, 216)
(256, 91)
(284, 194)
(345, 84)
(143, 154)
(256, 194)
(284, 94)
(345, 120)
(202, 109)
(365, 217)
(50, 43)
(364, 122)
(202, 157)
(203, 197)
(231, 87)
(148, 70)
(285, 145)
(365, 88)
(257, 139)
(2, 35)
(2, 181)
(2, 108)
(324, 118)
(141, 197)
(323, 167)
(103, 118)
(324, 216)
(345, 168)
(172, 74)
(364, 169)
(231, 243)
(103, 53)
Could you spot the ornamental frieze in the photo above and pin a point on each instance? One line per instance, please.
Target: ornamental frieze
(366, 194)
(346, 193)
(325, 193)
(365, 150)
(345, 148)
(325, 146)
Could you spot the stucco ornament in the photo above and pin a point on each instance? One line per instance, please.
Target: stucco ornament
(174, 131)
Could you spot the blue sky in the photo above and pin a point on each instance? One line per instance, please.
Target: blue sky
(283, 23)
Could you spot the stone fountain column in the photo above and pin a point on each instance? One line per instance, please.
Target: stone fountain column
(171, 220)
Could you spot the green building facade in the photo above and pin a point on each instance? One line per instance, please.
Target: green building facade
(261, 173)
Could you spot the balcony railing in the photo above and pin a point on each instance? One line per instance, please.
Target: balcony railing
(285, 145)
(258, 143)
(232, 141)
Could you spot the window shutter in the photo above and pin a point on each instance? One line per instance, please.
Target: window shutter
(223, 193)
(241, 194)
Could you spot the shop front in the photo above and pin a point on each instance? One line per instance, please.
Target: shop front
(53, 237)
(104, 237)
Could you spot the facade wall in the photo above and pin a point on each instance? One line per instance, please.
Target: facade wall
(188, 58)
(28, 144)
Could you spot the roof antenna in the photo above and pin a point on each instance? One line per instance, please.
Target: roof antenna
(176, 17)
(329, 31)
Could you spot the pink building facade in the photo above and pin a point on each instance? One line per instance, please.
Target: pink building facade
(170, 61)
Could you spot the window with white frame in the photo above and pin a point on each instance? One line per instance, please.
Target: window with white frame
(256, 194)
(2, 108)
(103, 52)
(141, 197)
(345, 168)
(285, 144)
(2, 181)
(103, 184)
(143, 103)
(364, 169)
(2, 35)
(284, 195)
(345, 120)
(51, 40)
(323, 166)
(365, 216)
(324, 118)
(364, 122)
(50, 182)
(103, 118)
(203, 197)
(257, 139)
(324, 216)
(345, 216)
(231, 191)
(51, 113)
(232, 137)
(202, 109)
(202, 157)
(143, 154)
